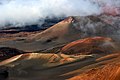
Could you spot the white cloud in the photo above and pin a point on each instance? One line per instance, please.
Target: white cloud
(22, 12)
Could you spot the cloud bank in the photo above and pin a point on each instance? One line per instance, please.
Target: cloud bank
(24, 12)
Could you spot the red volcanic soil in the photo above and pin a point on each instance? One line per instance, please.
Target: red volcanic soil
(66, 31)
(68, 20)
(110, 71)
(89, 46)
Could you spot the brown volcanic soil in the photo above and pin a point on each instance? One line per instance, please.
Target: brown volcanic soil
(97, 67)
(89, 46)
(94, 67)
(110, 71)
(68, 30)
(13, 36)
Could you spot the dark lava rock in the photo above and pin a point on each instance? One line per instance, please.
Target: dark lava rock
(3, 74)
(6, 52)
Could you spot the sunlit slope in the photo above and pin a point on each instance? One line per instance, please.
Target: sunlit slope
(68, 30)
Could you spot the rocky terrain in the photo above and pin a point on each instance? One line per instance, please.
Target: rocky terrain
(77, 48)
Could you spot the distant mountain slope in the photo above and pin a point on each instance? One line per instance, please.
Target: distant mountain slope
(41, 25)
(68, 30)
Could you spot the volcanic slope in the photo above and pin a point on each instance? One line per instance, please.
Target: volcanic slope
(68, 30)
(107, 69)
(75, 66)
(35, 66)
